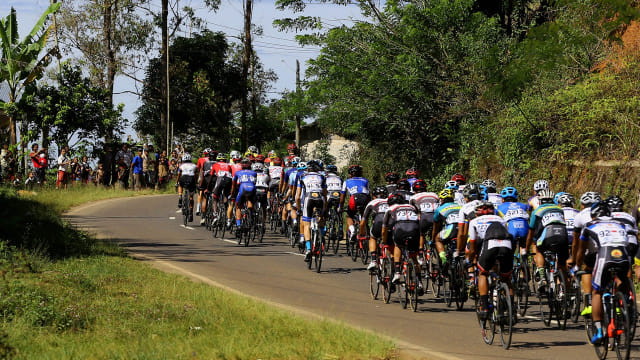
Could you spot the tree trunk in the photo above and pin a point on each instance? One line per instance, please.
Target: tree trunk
(245, 70)
(12, 130)
(110, 8)
(163, 65)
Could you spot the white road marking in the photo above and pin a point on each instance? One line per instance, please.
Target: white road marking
(230, 241)
(186, 227)
(292, 253)
(172, 217)
(178, 211)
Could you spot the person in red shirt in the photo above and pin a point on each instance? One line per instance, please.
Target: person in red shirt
(35, 160)
(201, 161)
(43, 160)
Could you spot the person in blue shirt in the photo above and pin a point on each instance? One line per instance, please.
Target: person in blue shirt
(358, 189)
(311, 194)
(516, 215)
(245, 182)
(136, 170)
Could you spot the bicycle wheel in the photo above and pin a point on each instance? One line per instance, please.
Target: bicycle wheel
(575, 299)
(434, 273)
(448, 289)
(560, 304)
(545, 308)
(622, 333)
(375, 281)
(352, 245)
(504, 315)
(387, 274)
(290, 234)
(487, 326)
(602, 348)
(460, 284)
(521, 291)
(424, 269)
(319, 250)
(185, 208)
(259, 223)
(363, 248)
(313, 234)
(402, 293)
(222, 220)
(633, 309)
(412, 284)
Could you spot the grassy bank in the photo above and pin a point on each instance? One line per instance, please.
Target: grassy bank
(66, 296)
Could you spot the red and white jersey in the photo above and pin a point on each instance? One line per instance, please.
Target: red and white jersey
(235, 168)
(426, 202)
(221, 169)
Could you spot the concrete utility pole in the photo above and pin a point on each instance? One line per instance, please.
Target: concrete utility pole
(164, 60)
(248, 7)
(296, 117)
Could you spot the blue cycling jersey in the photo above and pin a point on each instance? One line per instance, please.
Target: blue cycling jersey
(412, 181)
(287, 174)
(356, 185)
(517, 218)
(245, 179)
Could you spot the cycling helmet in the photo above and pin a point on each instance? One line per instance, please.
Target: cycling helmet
(589, 198)
(565, 199)
(600, 209)
(540, 185)
(313, 166)
(221, 157)
(403, 185)
(459, 178)
(206, 151)
(419, 186)
(355, 170)
(485, 208)
(235, 154)
(471, 192)
(396, 198)
(272, 154)
(186, 157)
(257, 167)
(320, 163)
(557, 196)
(302, 165)
(491, 185)
(276, 161)
(412, 173)
(545, 196)
(451, 185)
(253, 149)
(260, 158)
(509, 192)
(380, 191)
(446, 195)
(392, 178)
(615, 203)
(484, 195)
(332, 169)
(245, 163)
(295, 161)
(291, 146)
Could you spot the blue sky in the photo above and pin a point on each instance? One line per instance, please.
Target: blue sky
(277, 50)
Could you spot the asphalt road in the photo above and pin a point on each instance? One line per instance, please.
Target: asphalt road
(151, 228)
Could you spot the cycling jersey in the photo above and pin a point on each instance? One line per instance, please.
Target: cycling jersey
(517, 218)
(403, 222)
(426, 203)
(334, 183)
(262, 180)
(467, 212)
(550, 230)
(187, 169)
(490, 234)
(580, 220)
(201, 162)
(245, 180)
(447, 214)
(459, 198)
(608, 238)
(221, 169)
(312, 187)
(569, 219)
(356, 185)
(376, 208)
(391, 188)
(275, 173)
(533, 203)
(206, 166)
(629, 223)
(235, 168)
(495, 199)
(405, 194)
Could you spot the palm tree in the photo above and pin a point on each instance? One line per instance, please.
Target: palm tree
(20, 61)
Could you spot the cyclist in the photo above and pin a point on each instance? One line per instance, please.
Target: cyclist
(492, 194)
(358, 189)
(205, 182)
(292, 149)
(375, 209)
(461, 182)
(412, 176)
(616, 204)
(533, 200)
(516, 215)
(276, 172)
(221, 172)
(549, 231)
(584, 216)
(402, 222)
(566, 200)
(286, 193)
(607, 239)
(199, 173)
(244, 181)
(262, 188)
(334, 187)
(392, 180)
(294, 179)
(490, 240)
(236, 158)
(403, 187)
(426, 203)
(471, 195)
(311, 194)
(186, 179)
(445, 222)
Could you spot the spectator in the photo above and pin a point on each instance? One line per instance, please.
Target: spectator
(35, 161)
(63, 167)
(31, 180)
(179, 151)
(173, 169)
(108, 165)
(123, 178)
(163, 169)
(99, 176)
(149, 167)
(76, 171)
(123, 158)
(85, 170)
(136, 169)
(12, 167)
(4, 162)
(44, 165)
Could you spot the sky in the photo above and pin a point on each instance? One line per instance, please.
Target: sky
(277, 50)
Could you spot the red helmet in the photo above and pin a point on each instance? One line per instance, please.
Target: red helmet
(246, 163)
(412, 173)
(419, 186)
(260, 158)
(292, 146)
(276, 161)
(251, 157)
(459, 178)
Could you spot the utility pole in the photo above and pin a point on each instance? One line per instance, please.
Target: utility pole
(297, 115)
(168, 98)
(248, 7)
(164, 61)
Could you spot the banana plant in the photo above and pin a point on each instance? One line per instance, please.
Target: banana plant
(22, 61)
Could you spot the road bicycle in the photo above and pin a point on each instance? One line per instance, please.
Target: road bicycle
(501, 315)
(317, 241)
(334, 230)
(408, 288)
(259, 226)
(187, 209)
(219, 225)
(553, 299)
(275, 211)
(432, 269)
(208, 214)
(381, 275)
(247, 226)
(520, 280)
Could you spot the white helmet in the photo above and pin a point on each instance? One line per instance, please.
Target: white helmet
(257, 167)
(589, 198)
(540, 185)
(235, 154)
(186, 157)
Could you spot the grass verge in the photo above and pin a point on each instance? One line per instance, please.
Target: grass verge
(65, 295)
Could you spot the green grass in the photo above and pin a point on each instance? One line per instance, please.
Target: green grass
(65, 295)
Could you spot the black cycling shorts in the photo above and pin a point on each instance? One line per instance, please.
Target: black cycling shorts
(207, 183)
(188, 182)
(407, 234)
(488, 256)
(426, 224)
(609, 257)
(222, 187)
(261, 196)
(357, 204)
(557, 242)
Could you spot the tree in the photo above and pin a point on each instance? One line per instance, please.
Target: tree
(21, 61)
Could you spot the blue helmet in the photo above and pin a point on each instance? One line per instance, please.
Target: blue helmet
(555, 198)
(509, 192)
(451, 185)
(302, 165)
(332, 168)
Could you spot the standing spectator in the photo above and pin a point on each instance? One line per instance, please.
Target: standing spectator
(179, 151)
(108, 165)
(35, 160)
(63, 165)
(43, 160)
(85, 170)
(4, 162)
(149, 167)
(100, 174)
(12, 166)
(163, 169)
(136, 169)
(123, 158)
(76, 171)
(31, 180)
